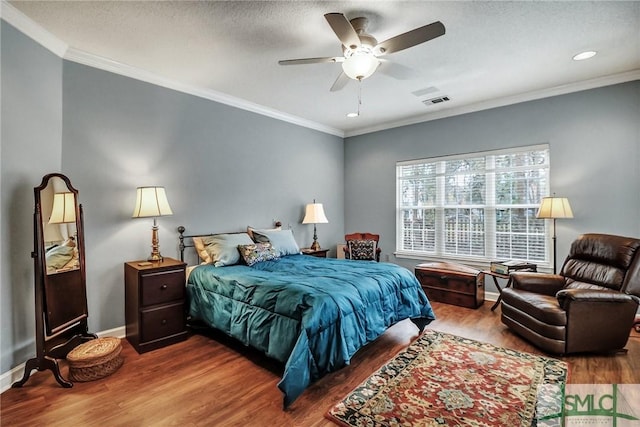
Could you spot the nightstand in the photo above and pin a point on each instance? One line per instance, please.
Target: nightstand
(320, 253)
(154, 298)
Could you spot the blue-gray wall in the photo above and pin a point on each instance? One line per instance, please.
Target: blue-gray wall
(226, 168)
(223, 169)
(594, 139)
(30, 147)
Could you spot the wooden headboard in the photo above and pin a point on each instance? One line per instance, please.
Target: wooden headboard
(185, 241)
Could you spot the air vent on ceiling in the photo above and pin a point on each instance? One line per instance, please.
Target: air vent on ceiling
(425, 91)
(434, 101)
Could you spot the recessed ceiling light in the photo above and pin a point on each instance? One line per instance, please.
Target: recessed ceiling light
(584, 55)
(352, 115)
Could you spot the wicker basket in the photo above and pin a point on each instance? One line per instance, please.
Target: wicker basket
(95, 359)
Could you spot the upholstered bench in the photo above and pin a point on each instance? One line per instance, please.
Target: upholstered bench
(95, 359)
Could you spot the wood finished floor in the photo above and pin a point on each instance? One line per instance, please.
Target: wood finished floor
(209, 380)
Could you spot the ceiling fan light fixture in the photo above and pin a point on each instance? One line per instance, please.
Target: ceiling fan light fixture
(360, 64)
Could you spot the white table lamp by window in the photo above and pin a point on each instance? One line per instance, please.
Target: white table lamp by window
(152, 202)
(314, 214)
(554, 208)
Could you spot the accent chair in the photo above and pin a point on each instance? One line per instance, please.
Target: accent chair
(362, 246)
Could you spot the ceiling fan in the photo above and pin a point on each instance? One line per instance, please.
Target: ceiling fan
(362, 51)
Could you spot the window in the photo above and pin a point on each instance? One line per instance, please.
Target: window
(475, 207)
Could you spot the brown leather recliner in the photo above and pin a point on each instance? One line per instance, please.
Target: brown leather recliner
(589, 307)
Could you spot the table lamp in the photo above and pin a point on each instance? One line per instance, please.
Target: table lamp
(152, 202)
(314, 214)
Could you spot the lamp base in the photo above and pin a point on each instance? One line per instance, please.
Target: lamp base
(315, 246)
(155, 257)
(155, 244)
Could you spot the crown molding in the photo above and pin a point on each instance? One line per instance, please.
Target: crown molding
(28, 27)
(504, 101)
(91, 60)
(41, 36)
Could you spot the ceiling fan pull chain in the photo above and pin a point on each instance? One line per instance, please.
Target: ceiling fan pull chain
(359, 95)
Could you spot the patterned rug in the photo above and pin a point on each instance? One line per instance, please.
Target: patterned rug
(445, 380)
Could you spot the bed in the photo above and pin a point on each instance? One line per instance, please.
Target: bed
(312, 314)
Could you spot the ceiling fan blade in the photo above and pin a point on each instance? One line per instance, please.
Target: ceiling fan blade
(411, 38)
(311, 60)
(343, 29)
(340, 82)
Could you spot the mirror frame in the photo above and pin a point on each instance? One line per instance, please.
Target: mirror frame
(65, 298)
(60, 299)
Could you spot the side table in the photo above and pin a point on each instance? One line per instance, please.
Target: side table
(495, 277)
(320, 253)
(507, 277)
(154, 298)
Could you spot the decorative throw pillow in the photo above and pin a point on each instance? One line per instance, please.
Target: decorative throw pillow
(257, 252)
(223, 248)
(281, 240)
(362, 249)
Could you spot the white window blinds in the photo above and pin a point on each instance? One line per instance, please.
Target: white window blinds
(479, 206)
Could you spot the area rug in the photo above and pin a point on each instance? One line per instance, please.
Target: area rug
(446, 380)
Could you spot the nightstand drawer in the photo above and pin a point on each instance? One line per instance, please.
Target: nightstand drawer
(166, 286)
(162, 322)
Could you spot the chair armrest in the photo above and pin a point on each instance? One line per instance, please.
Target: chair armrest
(540, 283)
(566, 296)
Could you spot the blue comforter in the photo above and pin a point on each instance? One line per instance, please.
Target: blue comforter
(310, 313)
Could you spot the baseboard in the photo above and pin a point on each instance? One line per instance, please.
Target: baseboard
(8, 378)
(491, 296)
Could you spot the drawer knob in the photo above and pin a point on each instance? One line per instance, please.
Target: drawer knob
(163, 322)
(163, 287)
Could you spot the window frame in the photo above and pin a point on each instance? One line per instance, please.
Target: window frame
(489, 207)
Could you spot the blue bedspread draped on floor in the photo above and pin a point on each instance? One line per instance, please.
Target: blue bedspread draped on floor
(310, 313)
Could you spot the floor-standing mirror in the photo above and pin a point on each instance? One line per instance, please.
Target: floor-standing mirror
(60, 278)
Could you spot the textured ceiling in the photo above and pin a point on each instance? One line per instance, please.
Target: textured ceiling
(491, 50)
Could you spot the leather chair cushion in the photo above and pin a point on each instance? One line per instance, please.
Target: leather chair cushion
(605, 249)
(539, 329)
(544, 308)
(581, 274)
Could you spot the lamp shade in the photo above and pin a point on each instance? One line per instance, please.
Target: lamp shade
(151, 202)
(314, 214)
(64, 208)
(360, 65)
(554, 207)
